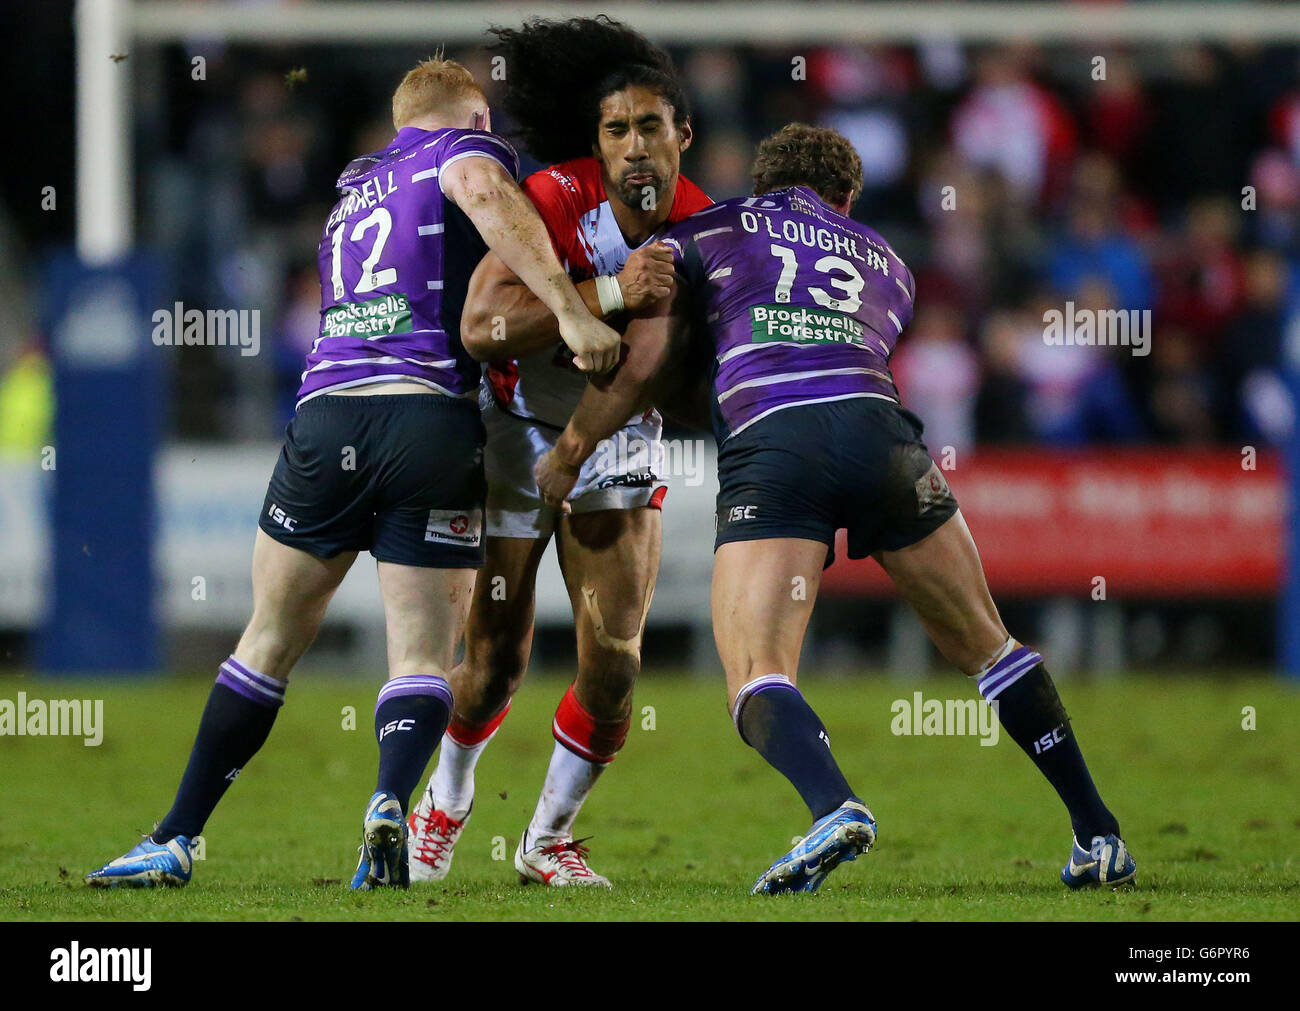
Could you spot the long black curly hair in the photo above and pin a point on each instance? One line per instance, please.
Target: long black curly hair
(554, 69)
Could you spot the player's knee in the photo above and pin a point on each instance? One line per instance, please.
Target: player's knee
(615, 619)
(496, 653)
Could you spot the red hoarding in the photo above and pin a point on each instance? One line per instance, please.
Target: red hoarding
(1153, 523)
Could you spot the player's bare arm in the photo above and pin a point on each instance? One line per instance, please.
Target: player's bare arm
(606, 405)
(504, 319)
(512, 229)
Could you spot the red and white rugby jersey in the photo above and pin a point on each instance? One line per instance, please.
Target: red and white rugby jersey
(571, 199)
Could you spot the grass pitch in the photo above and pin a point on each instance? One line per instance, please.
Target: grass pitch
(687, 817)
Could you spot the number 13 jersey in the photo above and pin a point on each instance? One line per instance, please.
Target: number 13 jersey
(802, 304)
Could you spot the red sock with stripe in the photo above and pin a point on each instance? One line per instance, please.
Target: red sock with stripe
(584, 747)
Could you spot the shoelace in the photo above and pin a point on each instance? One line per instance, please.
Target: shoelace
(435, 838)
(571, 855)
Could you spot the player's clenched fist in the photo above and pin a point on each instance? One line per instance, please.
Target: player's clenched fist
(647, 276)
(595, 346)
(555, 480)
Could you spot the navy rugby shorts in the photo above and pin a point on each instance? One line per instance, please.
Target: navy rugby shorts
(400, 476)
(810, 470)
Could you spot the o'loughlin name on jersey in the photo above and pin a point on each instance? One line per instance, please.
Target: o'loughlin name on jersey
(379, 317)
(829, 240)
(804, 326)
(802, 304)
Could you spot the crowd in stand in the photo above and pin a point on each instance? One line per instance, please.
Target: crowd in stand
(1013, 179)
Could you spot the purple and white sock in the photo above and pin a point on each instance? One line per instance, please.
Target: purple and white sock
(252, 685)
(752, 687)
(1008, 666)
(414, 684)
(774, 719)
(411, 715)
(239, 714)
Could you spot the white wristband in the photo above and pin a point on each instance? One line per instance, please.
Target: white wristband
(610, 293)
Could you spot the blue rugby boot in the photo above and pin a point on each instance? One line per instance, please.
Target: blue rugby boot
(383, 860)
(840, 836)
(1108, 862)
(147, 865)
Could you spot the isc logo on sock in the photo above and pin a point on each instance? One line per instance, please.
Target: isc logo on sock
(1047, 740)
(388, 728)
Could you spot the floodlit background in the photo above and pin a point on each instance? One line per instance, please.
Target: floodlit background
(1133, 511)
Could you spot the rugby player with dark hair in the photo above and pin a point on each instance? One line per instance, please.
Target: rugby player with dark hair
(606, 106)
(384, 454)
(800, 308)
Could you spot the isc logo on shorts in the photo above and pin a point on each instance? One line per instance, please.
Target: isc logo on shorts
(278, 515)
(455, 526)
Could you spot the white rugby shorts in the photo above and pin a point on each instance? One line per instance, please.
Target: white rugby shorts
(621, 474)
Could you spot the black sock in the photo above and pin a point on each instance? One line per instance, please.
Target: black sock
(775, 721)
(410, 717)
(1030, 711)
(236, 721)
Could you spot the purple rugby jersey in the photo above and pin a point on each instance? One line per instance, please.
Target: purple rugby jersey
(395, 260)
(801, 304)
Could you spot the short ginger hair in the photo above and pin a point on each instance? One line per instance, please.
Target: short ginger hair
(814, 156)
(432, 86)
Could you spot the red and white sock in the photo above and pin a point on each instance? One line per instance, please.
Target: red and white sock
(453, 779)
(583, 748)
